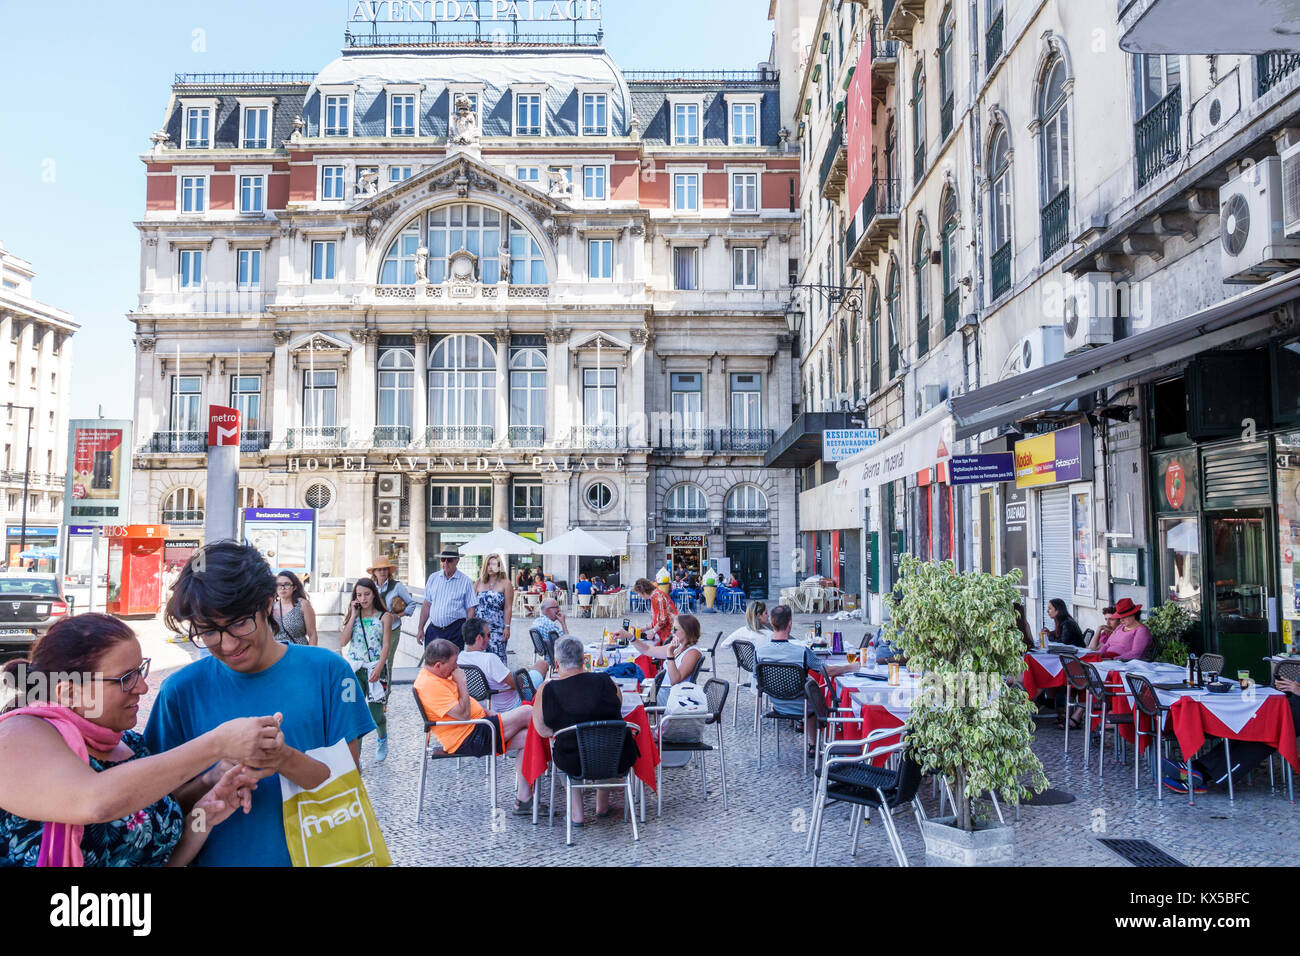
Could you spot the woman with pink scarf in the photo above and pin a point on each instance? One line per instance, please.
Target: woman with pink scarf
(78, 787)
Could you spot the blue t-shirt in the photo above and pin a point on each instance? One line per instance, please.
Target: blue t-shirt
(785, 652)
(308, 685)
(582, 587)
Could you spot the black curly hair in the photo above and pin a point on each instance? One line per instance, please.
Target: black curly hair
(225, 580)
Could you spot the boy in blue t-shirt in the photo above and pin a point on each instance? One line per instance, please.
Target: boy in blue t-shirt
(222, 600)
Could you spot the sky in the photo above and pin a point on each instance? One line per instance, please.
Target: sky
(86, 83)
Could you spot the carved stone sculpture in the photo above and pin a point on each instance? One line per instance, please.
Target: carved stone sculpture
(466, 137)
(422, 264)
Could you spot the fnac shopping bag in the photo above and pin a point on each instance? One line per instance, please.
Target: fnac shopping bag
(333, 825)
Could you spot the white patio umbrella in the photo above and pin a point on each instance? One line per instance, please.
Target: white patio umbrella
(578, 542)
(500, 541)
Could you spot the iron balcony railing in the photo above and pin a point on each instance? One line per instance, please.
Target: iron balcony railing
(747, 439)
(182, 517)
(527, 436)
(392, 436)
(1272, 67)
(1055, 228)
(328, 436)
(176, 442)
(945, 117)
(529, 515)
(883, 199)
(746, 515)
(460, 513)
(832, 151)
(1002, 270)
(701, 76)
(951, 311)
(686, 514)
(241, 79)
(882, 49)
(460, 436)
(993, 42)
(255, 441)
(686, 439)
(1159, 136)
(599, 437)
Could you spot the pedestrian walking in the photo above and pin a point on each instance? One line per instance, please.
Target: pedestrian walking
(496, 597)
(449, 598)
(364, 639)
(292, 612)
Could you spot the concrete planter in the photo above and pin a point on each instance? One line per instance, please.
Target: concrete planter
(945, 845)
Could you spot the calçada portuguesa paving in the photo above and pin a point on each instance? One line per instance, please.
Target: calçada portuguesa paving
(768, 813)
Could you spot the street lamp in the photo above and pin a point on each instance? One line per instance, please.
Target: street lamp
(27, 469)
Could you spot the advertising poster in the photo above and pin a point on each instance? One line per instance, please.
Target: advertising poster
(1053, 458)
(99, 472)
(1288, 522)
(1081, 509)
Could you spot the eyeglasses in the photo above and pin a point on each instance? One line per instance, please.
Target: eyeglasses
(283, 584)
(449, 560)
(132, 677)
(211, 636)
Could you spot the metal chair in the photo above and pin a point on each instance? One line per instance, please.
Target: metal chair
(853, 779)
(1076, 679)
(713, 657)
(477, 685)
(639, 604)
(716, 692)
(782, 682)
(1099, 693)
(746, 658)
(543, 646)
(1147, 703)
(826, 720)
(432, 752)
(524, 684)
(1212, 664)
(600, 748)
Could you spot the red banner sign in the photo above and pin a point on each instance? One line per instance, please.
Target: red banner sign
(859, 131)
(223, 426)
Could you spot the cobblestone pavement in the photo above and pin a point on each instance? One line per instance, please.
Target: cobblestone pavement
(766, 820)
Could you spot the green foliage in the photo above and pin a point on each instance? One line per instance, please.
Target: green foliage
(1167, 624)
(959, 630)
(1172, 651)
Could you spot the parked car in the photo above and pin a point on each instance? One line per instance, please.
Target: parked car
(29, 604)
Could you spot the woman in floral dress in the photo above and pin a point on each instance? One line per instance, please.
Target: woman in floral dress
(496, 598)
(366, 633)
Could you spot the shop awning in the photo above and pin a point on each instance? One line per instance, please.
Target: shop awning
(801, 444)
(920, 445)
(1005, 403)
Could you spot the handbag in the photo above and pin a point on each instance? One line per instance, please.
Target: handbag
(333, 824)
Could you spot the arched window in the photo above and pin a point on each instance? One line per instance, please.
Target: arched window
(1054, 115)
(746, 503)
(686, 503)
(892, 316)
(947, 25)
(922, 265)
(183, 506)
(1000, 213)
(951, 262)
(856, 346)
(528, 397)
(462, 390)
(918, 124)
(873, 337)
(396, 398)
(475, 228)
(249, 498)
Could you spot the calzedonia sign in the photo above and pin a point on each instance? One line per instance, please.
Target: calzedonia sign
(474, 11)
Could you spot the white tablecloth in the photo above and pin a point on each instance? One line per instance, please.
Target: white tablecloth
(866, 692)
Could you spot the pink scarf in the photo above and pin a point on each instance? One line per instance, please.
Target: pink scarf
(61, 842)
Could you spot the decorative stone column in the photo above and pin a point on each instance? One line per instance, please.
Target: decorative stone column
(417, 493)
(639, 418)
(503, 390)
(146, 378)
(500, 499)
(555, 498)
(639, 516)
(361, 387)
(281, 412)
(420, 411)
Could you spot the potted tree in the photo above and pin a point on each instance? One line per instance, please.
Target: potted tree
(968, 723)
(1167, 624)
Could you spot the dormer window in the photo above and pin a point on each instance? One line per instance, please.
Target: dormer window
(200, 118)
(336, 111)
(686, 124)
(403, 110)
(529, 111)
(743, 120)
(595, 114)
(255, 124)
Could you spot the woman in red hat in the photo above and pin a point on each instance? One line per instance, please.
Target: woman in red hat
(1130, 640)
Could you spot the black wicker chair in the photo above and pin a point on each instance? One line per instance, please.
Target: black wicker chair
(820, 711)
(746, 661)
(524, 684)
(477, 685)
(715, 691)
(712, 667)
(1076, 679)
(1099, 698)
(1147, 703)
(600, 749)
(433, 751)
(853, 779)
(543, 646)
(783, 682)
(1212, 664)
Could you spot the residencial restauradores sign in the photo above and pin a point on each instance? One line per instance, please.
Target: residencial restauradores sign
(474, 11)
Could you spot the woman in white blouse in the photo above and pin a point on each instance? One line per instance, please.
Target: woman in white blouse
(757, 629)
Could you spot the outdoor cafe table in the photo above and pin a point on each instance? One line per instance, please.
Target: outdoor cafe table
(880, 705)
(620, 655)
(537, 749)
(1043, 670)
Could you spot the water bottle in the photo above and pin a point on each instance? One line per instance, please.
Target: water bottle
(871, 656)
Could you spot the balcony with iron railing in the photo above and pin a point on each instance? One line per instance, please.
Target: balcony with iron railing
(875, 223)
(392, 436)
(1274, 67)
(183, 517)
(1055, 228)
(460, 513)
(527, 436)
(460, 436)
(1159, 136)
(884, 57)
(1001, 270)
(835, 165)
(747, 516)
(528, 515)
(205, 302)
(177, 442)
(251, 442)
(993, 42)
(328, 436)
(685, 440)
(598, 437)
(753, 441)
(686, 515)
(951, 311)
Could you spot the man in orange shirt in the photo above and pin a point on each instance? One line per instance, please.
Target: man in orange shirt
(442, 690)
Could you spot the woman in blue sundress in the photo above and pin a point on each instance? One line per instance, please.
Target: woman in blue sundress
(496, 598)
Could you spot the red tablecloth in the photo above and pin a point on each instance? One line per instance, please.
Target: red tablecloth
(874, 717)
(537, 751)
(1193, 722)
(1036, 679)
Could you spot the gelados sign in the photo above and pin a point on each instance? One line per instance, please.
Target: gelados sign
(474, 11)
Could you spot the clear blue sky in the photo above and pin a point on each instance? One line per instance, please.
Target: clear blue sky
(87, 82)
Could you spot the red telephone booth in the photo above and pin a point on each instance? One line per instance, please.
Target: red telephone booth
(135, 563)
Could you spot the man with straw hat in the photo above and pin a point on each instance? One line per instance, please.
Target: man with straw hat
(384, 572)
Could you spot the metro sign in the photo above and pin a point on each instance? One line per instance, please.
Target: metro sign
(223, 426)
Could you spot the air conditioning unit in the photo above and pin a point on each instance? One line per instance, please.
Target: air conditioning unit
(1042, 347)
(1253, 242)
(390, 515)
(389, 486)
(1213, 110)
(1089, 312)
(1291, 191)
